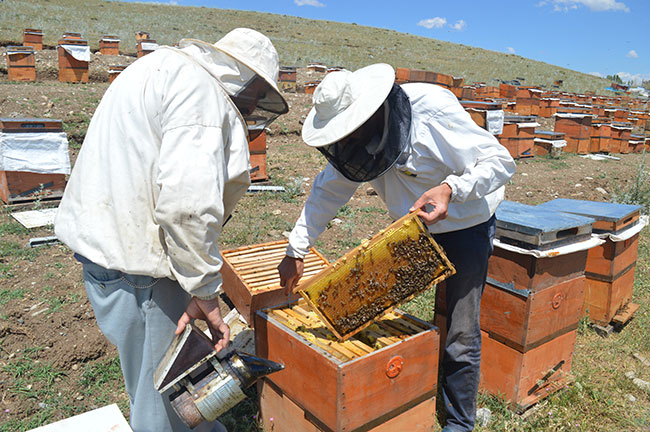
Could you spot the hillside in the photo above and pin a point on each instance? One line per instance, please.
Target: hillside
(298, 40)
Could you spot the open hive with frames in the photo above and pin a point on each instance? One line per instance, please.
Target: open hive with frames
(389, 269)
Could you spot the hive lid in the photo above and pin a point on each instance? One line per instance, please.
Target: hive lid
(600, 211)
(389, 269)
(532, 227)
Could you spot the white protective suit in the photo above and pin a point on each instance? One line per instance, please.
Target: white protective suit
(164, 162)
(446, 147)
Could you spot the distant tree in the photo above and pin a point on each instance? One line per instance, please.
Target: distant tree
(615, 78)
(646, 84)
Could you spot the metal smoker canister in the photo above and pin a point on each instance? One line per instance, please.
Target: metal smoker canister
(204, 386)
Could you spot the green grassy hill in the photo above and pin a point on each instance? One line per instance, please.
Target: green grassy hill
(298, 40)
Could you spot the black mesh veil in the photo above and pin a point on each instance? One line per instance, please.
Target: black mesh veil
(364, 161)
(259, 105)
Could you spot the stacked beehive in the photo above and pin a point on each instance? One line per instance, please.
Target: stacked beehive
(405, 75)
(33, 38)
(34, 155)
(114, 71)
(610, 267)
(109, 45)
(527, 100)
(518, 135)
(577, 130)
(601, 135)
(287, 78)
(620, 141)
(548, 106)
(74, 56)
(488, 115)
(20, 63)
(532, 302)
(548, 143)
(146, 46)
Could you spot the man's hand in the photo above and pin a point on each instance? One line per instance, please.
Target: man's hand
(290, 270)
(439, 198)
(208, 311)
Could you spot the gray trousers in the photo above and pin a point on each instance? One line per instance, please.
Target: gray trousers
(138, 314)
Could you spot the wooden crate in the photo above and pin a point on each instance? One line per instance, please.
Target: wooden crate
(71, 69)
(351, 384)
(109, 45)
(525, 319)
(144, 47)
(33, 38)
(281, 414)
(257, 150)
(20, 186)
(251, 279)
(391, 268)
(20, 63)
(114, 71)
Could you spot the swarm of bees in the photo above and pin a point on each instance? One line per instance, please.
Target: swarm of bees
(370, 288)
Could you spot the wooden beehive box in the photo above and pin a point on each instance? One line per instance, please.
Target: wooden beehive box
(317, 67)
(525, 319)
(402, 75)
(518, 135)
(114, 71)
(141, 35)
(508, 91)
(637, 143)
(21, 186)
(548, 107)
(257, 150)
(33, 38)
(391, 268)
(601, 135)
(620, 137)
(109, 45)
(279, 413)
(287, 78)
(146, 46)
(544, 141)
(610, 267)
(251, 279)
(488, 92)
(20, 63)
(577, 128)
(311, 86)
(478, 110)
(71, 69)
(530, 227)
(353, 384)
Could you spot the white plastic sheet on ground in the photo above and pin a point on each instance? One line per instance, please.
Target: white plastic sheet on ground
(599, 156)
(494, 121)
(79, 52)
(37, 152)
(36, 218)
(626, 233)
(593, 241)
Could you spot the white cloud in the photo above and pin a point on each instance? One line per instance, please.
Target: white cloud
(593, 5)
(314, 3)
(632, 54)
(597, 74)
(430, 23)
(635, 78)
(459, 25)
(510, 50)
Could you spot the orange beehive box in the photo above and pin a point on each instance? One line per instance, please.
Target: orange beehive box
(508, 91)
(356, 384)
(21, 186)
(577, 130)
(33, 38)
(478, 110)
(402, 75)
(636, 143)
(141, 35)
(145, 46)
(610, 266)
(548, 142)
(281, 414)
(287, 78)
(548, 107)
(20, 63)
(114, 71)
(251, 279)
(488, 92)
(317, 67)
(621, 133)
(518, 135)
(311, 86)
(257, 150)
(601, 136)
(71, 69)
(109, 45)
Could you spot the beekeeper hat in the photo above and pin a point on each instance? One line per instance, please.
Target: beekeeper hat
(344, 101)
(255, 51)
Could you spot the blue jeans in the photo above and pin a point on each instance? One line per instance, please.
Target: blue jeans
(138, 314)
(469, 250)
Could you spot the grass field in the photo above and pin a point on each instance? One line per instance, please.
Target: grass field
(297, 40)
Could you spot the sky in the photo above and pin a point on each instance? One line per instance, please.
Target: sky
(600, 37)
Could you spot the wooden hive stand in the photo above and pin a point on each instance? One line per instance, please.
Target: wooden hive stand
(20, 63)
(531, 306)
(251, 279)
(33, 38)
(383, 379)
(71, 69)
(23, 186)
(610, 267)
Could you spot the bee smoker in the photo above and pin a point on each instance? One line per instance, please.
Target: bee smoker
(204, 386)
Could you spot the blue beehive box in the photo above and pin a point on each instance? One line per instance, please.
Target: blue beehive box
(608, 217)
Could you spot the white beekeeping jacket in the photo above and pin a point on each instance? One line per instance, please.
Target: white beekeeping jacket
(446, 146)
(164, 162)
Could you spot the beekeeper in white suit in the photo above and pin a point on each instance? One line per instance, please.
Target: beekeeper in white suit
(162, 166)
(419, 149)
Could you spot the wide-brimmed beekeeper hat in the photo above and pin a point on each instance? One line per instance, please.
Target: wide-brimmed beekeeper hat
(344, 101)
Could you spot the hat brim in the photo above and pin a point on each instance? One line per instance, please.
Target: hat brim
(374, 83)
(270, 82)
